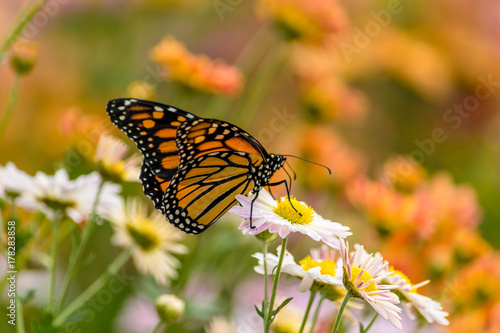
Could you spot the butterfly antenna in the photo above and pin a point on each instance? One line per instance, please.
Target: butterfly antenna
(303, 159)
(291, 169)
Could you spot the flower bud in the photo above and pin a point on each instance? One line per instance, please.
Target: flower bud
(24, 54)
(169, 308)
(266, 236)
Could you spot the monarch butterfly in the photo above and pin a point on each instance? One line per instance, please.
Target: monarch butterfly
(193, 167)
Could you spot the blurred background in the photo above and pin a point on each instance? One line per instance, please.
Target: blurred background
(399, 98)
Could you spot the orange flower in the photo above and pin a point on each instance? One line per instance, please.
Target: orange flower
(328, 98)
(324, 92)
(468, 245)
(404, 173)
(453, 205)
(475, 294)
(310, 21)
(389, 210)
(325, 146)
(477, 286)
(472, 321)
(74, 122)
(433, 75)
(196, 71)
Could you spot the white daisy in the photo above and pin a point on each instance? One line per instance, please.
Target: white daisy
(13, 182)
(153, 240)
(75, 198)
(412, 300)
(281, 218)
(362, 274)
(109, 158)
(318, 270)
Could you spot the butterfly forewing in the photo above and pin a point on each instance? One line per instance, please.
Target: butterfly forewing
(153, 127)
(153, 186)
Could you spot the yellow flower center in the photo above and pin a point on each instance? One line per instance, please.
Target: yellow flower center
(294, 211)
(144, 235)
(327, 266)
(365, 277)
(403, 276)
(111, 171)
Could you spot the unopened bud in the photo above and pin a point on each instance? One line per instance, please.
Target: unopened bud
(266, 236)
(24, 54)
(169, 308)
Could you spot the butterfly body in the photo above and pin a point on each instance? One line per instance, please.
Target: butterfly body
(193, 167)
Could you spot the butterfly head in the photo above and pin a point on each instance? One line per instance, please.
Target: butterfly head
(276, 161)
(267, 169)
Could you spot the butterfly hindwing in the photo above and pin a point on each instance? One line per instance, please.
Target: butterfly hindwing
(205, 188)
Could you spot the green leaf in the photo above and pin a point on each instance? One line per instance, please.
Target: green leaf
(259, 312)
(285, 302)
(29, 296)
(86, 262)
(45, 324)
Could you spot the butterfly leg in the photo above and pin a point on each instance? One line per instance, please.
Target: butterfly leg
(287, 192)
(251, 209)
(271, 192)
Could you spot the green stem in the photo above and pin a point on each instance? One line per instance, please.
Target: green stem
(53, 254)
(93, 288)
(306, 315)
(87, 232)
(20, 316)
(264, 308)
(23, 18)
(316, 313)
(341, 311)
(13, 209)
(365, 330)
(157, 326)
(270, 317)
(261, 83)
(11, 106)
